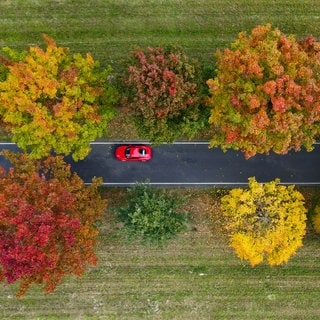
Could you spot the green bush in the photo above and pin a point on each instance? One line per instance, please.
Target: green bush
(154, 216)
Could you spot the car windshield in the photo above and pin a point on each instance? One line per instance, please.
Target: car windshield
(142, 152)
(127, 153)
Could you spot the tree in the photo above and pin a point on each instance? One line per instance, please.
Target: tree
(266, 94)
(162, 94)
(265, 222)
(51, 100)
(47, 222)
(151, 215)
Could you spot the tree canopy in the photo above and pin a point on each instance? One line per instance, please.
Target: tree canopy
(151, 215)
(51, 100)
(265, 222)
(47, 222)
(266, 93)
(163, 94)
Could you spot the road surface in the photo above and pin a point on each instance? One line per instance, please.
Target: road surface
(194, 164)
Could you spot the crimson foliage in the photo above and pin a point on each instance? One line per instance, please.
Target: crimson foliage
(47, 218)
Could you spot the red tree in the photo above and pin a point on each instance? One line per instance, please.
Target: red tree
(162, 95)
(47, 218)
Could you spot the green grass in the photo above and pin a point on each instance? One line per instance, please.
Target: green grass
(110, 28)
(196, 277)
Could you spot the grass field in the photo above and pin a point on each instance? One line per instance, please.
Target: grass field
(197, 276)
(110, 28)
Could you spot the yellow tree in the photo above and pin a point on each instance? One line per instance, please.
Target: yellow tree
(265, 222)
(51, 100)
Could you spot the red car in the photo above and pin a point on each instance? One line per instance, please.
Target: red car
(133, 153)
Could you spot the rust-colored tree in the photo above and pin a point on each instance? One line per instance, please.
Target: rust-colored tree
(47, 222)
(52, 100)
(266, 94)
(163, 94)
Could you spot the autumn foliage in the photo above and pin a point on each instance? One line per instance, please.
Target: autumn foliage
(266, 222)
(163, 94)
(47, 222)
(266, 95)
(52, 100)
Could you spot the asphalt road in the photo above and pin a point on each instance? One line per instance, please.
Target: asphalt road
(194, 164)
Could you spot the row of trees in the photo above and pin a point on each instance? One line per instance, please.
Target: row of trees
(265, 96)
(48, 221)
(266, 223)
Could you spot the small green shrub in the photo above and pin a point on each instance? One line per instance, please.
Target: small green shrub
(152, 215)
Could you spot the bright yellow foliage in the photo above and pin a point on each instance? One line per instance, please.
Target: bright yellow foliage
(51, 100)
(266, 222)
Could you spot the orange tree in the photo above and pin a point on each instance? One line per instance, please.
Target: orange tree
(52, 100)
(162, 94)
(266, 94)
(47, 222)
(265, 222)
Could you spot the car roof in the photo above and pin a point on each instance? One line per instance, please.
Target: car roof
(136, 151)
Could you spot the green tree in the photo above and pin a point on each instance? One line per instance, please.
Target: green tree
(162, 94)
(47, 222)
(265, 222)
(52, 100)
(266, 94)
(154, 216)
